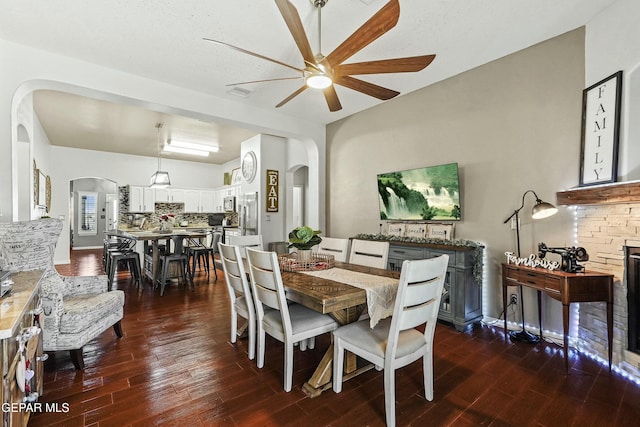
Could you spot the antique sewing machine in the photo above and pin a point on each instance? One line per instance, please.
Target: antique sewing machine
(570, 256)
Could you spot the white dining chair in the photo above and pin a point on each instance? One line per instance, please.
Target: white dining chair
(394, 342)
(250, 241)
(369, 253)
(288, 323)
(239, 293)
(339, 248)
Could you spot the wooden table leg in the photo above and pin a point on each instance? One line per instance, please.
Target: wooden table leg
(321, 378)
(504, 305)
(540, 313)
(610, 329)
(565, 327)
(156, 260)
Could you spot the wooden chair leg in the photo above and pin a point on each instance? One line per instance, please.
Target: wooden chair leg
(117, 327)
(77, 359)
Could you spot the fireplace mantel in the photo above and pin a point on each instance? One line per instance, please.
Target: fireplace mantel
(625, 192)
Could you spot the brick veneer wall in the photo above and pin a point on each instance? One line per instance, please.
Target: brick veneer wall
(604, 231)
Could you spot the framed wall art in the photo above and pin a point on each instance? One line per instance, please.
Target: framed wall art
(42, 189)
(236, 176)
(600, 131)
(273, 190)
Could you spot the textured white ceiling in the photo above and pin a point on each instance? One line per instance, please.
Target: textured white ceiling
(91, 124)
(162, 40)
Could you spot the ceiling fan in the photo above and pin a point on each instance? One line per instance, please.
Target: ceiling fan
(323, 72)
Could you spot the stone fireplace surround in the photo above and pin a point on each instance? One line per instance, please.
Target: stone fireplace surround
(607, 222)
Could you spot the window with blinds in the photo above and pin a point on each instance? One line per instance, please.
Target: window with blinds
(87, 213)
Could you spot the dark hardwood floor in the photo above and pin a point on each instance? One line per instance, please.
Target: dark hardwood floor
(177, 366)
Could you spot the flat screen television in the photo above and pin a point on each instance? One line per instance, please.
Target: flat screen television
(430, 193)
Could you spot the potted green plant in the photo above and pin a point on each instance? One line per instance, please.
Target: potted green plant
(303, 239)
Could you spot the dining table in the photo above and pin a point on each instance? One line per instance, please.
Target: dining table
(154, 237)
(323, 292)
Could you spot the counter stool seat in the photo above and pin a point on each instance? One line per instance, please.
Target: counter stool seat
(180, 256)
(131, 258)
(204, 255)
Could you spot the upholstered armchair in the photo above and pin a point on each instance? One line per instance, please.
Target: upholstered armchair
(75, 309)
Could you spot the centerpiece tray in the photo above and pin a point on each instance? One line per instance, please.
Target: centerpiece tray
(291, 262)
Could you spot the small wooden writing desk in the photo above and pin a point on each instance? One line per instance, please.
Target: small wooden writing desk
(343, 302)
(564, 287)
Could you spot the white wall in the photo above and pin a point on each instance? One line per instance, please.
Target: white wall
(511, 125)
(613, 44)
(71, 163)
(25, 69)
(507, 135)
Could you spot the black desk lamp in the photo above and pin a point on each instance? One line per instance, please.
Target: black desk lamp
(539, 211)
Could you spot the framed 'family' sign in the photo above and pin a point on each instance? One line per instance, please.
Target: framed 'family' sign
(600, 131)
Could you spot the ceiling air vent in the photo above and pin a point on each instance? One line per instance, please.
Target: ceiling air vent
(238, 91)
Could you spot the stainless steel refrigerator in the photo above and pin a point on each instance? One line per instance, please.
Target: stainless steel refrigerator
(248, 214)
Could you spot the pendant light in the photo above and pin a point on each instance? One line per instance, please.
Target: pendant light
(160, 179)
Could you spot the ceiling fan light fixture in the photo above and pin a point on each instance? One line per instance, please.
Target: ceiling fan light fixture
(318, 81)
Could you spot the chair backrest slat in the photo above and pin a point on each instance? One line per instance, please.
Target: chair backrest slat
(339, 248)
(369, 253)
(266, 283)
(234, 272)
(418, 298)
(251, 241)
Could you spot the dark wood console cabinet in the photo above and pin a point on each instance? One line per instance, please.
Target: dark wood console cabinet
(565, 287)
(461, 303)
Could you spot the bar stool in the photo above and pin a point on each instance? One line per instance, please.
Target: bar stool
(131, 258)
(178, 255)
(203, 253)
(113, 244)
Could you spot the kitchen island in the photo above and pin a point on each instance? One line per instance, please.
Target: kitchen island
(151, 253)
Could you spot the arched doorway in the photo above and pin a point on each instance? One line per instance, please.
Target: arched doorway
(93, 210)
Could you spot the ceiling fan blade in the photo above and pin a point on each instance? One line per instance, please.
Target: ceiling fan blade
(292, 19)
(248, 52)
(397, 65)
(384, 20)
(290, 97)
(265, 80)
(332, 99)
(366, 87)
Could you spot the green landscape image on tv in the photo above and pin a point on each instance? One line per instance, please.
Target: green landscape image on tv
(429, 193)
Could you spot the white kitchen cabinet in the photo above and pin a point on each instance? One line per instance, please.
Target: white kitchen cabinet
(233, 190)
(199, 201)
(170, 195)
(207, 201)
(217, 200)
(178, 195)
(191, 199)
(141, 199)
(163, 195)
